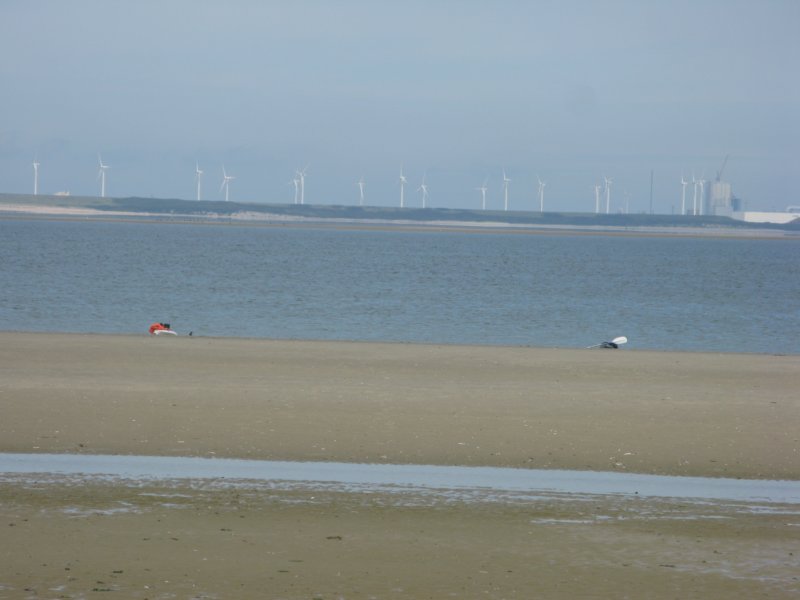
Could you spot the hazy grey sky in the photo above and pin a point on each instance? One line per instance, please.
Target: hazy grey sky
(569, 90)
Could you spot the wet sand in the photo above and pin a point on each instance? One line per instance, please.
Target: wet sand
(181, 541)
(650, 412)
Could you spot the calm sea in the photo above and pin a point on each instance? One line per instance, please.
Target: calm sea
(474, 288)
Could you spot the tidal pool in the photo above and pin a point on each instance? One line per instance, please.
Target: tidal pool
(366, 477)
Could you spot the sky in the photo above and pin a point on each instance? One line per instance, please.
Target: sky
(454, 91)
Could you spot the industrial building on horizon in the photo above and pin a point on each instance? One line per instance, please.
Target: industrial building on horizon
(721, 202)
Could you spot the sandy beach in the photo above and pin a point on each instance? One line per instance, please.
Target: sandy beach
(719, 415)
(731, 415)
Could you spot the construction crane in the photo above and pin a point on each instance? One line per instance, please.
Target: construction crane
(724, 162)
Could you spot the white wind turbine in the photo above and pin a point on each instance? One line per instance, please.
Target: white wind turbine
(301, 179)
(506, 180)
(608, 193)
(35, 177)
(360, 184)
(101, 175)
(482, 190)
(402, 186)
(226, 183)
(424, 189)
(684, 183)
(702, 183)
(694, 195)
(296, 183)
(541, 193)
(198, 176)
(597, 198)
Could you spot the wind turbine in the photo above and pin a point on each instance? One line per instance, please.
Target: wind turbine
(597, 198)
(506, 180)
(541, 193)
(402, 186)
(296, 183)
(198, 175)
(360, 184)
(482, 190)
(694, 195)
(702, 183)
(35, 177)
(424, 189)
(684, 183)
(301, 177)
(226, 183)
(608, 193)
(101, 175)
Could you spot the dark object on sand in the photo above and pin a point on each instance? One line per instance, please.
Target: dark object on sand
(615, 343)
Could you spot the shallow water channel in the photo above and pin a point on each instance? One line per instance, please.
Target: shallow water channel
(388, 477)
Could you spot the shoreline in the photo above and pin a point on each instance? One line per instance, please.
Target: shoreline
(390, 342)
(651, 412)
(269, 220)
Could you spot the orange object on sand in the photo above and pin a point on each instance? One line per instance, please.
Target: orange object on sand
(157, 327)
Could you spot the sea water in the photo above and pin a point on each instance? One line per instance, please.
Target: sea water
(666, 293)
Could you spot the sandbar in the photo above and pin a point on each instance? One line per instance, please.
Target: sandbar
(718, 415)
(671, 413)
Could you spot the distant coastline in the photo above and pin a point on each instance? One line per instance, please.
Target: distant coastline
(391, 218)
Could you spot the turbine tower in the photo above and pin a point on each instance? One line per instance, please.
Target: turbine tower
(296, 183)
(608, 193)
(101, 175)
(198, 175)
(684, 183)
(402, 186)
(482, 190)
(226, 183)
(702, 183)
(694, 195)
(301, 178)
(424, 189)
(360, 184)
(597, 198)
(506, 180)
(541, 193)
(35, 177)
